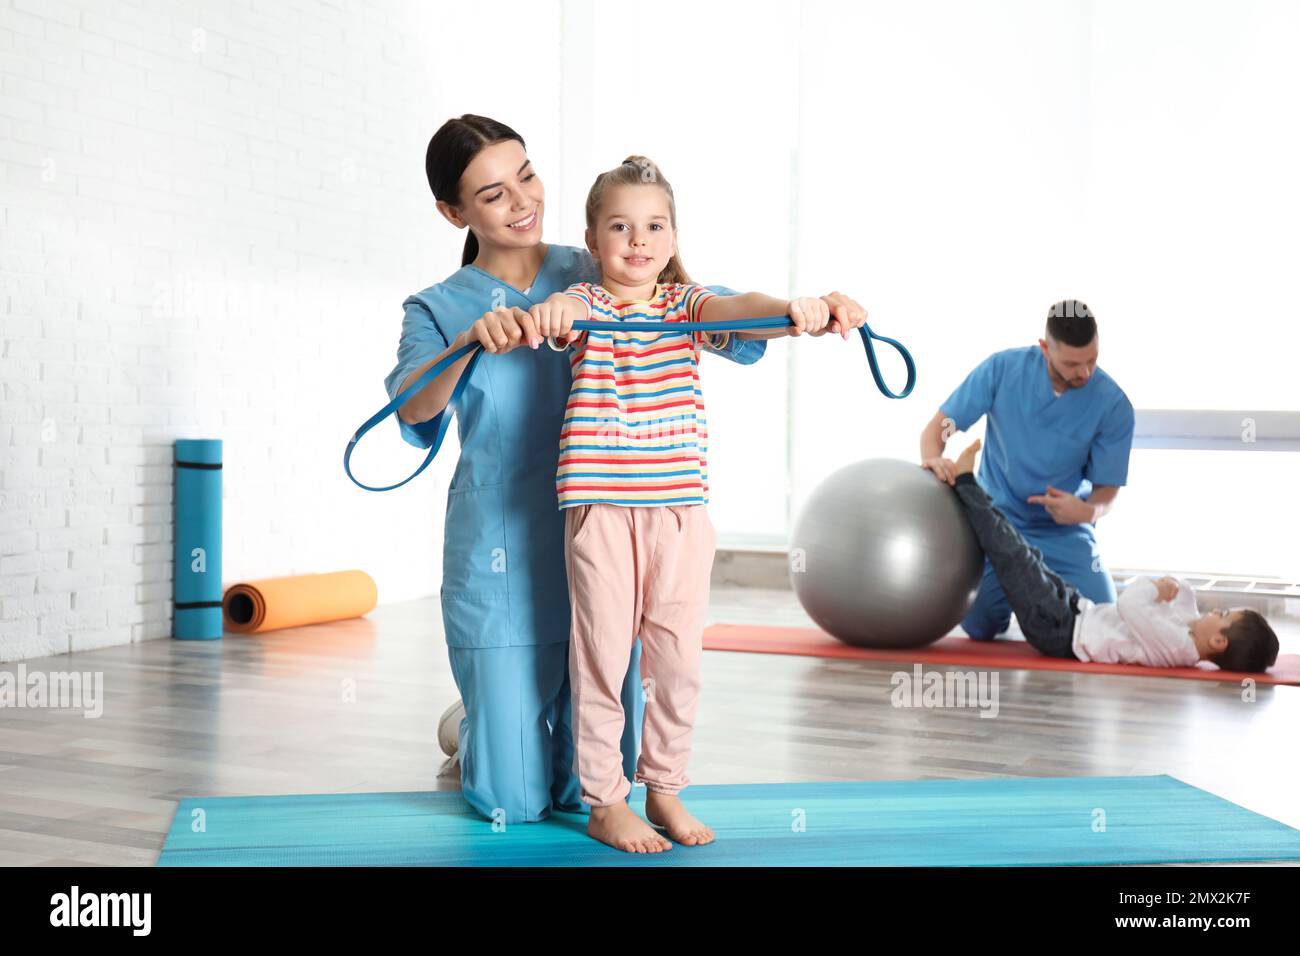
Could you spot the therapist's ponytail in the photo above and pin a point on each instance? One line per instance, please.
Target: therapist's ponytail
(450, 150)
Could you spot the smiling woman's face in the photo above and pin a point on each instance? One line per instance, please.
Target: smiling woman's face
(501, 198)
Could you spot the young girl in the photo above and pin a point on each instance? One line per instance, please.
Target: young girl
(633, 480)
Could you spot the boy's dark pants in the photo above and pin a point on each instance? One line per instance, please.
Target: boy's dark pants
(1044, 604)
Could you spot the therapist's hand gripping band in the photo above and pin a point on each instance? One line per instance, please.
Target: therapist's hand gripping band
(743, 325)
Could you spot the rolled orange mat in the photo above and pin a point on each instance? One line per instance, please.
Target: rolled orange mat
(271, 603)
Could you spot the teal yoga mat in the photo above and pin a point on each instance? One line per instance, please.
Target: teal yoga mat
(196, 546)
(999, 822)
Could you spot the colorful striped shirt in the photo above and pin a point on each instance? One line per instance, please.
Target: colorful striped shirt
(635, 431)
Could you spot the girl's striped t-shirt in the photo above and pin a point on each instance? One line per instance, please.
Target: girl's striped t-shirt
(635, 431)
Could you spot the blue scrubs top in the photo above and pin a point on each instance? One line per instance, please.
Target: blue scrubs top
(1035, 438)
(503, 577)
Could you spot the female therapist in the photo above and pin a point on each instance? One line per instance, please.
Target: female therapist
(505, 605)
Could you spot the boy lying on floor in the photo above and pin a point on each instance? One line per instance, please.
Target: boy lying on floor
(1153, 623)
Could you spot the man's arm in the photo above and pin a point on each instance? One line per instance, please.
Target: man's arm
(1101, 501)
(1066, 508)
(971, 401)
(934, 438)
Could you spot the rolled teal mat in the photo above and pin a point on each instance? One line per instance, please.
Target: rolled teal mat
(196, 587)
(1002, 822)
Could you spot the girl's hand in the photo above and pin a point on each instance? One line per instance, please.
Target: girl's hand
(846, 314)
(504, 329)
(809, 315)
(556, 315)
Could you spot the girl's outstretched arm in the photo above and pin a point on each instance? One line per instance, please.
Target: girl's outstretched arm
(810, 315)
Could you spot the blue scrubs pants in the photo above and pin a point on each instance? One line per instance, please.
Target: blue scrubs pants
(520, 694)
(1070, 551)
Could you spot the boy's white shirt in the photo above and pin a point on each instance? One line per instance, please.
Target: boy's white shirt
(1138, 629)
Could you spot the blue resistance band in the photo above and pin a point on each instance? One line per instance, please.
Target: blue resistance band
(743, 325)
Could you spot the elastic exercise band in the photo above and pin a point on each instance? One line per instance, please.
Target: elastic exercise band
(741, 325)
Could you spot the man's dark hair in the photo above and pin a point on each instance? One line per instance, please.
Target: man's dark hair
(1071, 322)
(1252, 645)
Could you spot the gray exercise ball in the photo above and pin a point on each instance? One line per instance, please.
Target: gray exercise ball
(883, 556)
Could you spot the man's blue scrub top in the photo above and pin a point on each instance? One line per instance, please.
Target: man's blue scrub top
(1035, 438)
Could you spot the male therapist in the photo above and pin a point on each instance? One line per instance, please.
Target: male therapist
(1056, 450)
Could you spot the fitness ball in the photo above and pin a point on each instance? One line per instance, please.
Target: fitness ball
(883, 556)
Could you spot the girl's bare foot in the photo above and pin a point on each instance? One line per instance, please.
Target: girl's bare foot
(620, 827)
(666, 810)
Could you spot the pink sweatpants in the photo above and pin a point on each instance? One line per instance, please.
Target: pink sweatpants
(636, 570)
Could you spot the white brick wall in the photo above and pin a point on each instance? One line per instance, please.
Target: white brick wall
(210, 214)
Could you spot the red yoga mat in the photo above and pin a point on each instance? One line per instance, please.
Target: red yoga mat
(1009, 655)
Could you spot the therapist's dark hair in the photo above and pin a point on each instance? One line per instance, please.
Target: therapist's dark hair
(453, 148)
(637, 171)
(1071, 322)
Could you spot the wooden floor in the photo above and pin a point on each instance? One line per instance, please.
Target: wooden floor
(353, 707)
